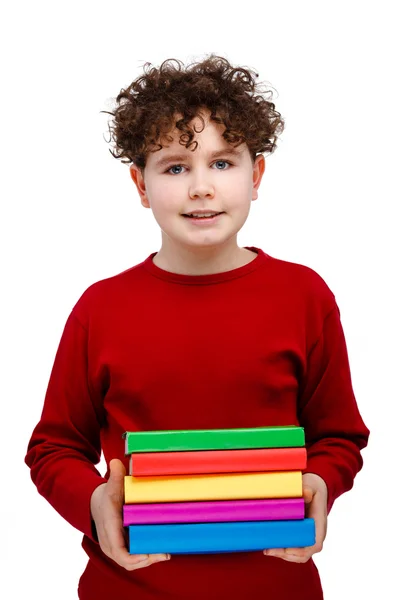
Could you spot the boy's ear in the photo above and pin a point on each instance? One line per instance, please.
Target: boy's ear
(138, 178)
(258, 172)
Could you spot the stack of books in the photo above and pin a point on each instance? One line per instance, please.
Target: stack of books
(216, 490)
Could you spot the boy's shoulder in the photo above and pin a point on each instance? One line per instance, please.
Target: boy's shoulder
(303, 290)
(301, 277)
(108, 290)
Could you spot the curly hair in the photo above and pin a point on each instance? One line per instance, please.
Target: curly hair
(147, 109)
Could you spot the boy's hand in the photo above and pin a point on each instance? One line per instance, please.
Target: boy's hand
(315, 495)
(106, 507)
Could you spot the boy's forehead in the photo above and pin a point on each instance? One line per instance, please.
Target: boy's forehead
(208, 135)
(211, 146)
(209, 130)
(178, 152)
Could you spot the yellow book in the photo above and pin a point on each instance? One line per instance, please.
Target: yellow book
(178, 488)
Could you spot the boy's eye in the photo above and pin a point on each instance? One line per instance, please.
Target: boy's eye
(180, 166)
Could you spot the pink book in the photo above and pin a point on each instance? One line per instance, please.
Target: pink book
(214, 511)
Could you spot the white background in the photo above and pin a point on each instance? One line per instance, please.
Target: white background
(71, 215)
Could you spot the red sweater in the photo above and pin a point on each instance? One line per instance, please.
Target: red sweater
(147, 349)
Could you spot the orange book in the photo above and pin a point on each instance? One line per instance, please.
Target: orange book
(217, 461)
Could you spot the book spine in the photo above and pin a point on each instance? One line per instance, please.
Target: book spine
(217, 461)
(198, 538)
(208, 512)
(214, 439)
(176, 488)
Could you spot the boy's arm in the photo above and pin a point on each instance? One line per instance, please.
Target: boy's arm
(327, 409)
(65, 444)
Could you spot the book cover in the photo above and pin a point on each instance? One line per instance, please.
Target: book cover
(214, 511)
(143, 464)
(177, 488)
(217, 461)
(201, 538)
(213, 439)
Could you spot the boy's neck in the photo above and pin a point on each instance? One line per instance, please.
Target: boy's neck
(217, 265)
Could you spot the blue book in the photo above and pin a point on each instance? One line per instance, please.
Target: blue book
(208, 538)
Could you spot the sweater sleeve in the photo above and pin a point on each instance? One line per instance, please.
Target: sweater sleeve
(65, 444)
(327, 409)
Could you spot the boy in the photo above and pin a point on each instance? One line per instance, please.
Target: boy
(200, 335)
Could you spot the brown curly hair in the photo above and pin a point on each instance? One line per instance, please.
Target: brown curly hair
(148, 108)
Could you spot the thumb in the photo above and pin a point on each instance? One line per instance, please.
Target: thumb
(117, 473)
(308, 494)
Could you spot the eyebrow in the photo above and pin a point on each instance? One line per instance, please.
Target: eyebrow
(178, 157)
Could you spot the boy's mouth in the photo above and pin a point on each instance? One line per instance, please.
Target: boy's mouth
(207, 219)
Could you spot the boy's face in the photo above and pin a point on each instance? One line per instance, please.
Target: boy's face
(199, 181)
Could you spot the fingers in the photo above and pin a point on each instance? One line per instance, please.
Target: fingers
(298, 555)
(301, 555)
(106, 508)
(113, 543)
(315, 498)
(152, 559)
(130, 562)
(316, 510)
(116, 549)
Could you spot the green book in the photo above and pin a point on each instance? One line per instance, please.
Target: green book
(289, 436)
